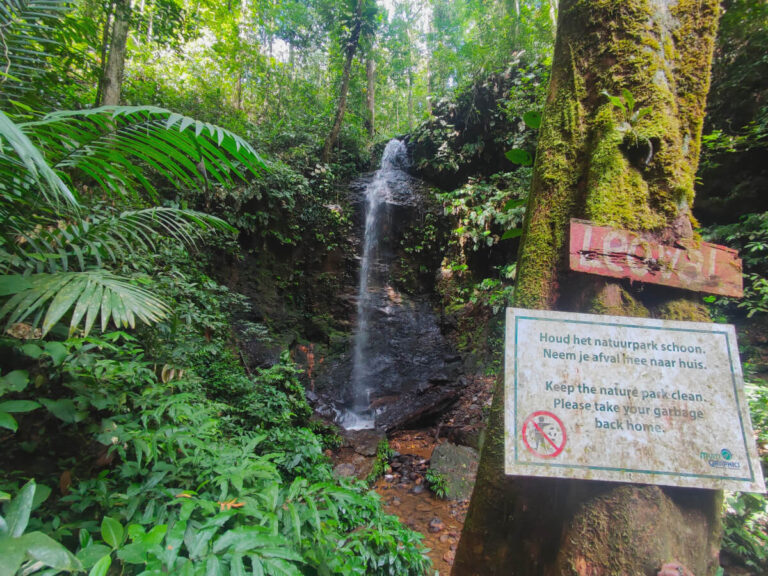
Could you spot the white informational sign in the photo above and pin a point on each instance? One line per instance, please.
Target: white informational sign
(627, 400)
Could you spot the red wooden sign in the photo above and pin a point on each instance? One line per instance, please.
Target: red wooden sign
(697, 266)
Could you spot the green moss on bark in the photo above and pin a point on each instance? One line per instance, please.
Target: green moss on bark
(686, 309)
(617, 195)
(590, 166)
(616, 301)
(560, 142)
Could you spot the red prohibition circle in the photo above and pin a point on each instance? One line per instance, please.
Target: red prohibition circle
(549, 443)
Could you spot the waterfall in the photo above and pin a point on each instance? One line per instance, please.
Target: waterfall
(374, 268)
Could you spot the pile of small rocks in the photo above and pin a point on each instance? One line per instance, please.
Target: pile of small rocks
(407, 472)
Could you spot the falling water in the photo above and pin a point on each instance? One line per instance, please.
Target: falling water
(373, 275)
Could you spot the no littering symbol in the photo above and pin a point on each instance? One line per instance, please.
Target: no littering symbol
(544, 434)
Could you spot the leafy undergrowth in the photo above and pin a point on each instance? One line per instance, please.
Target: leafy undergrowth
(194, 467)
(746, 515)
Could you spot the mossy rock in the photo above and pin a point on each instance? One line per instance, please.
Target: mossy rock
(458, 466)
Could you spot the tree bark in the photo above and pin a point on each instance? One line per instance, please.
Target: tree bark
(597, 163)
(370, 96)
(553, 16)
(410, 99)
(113, 74)
(341, 108)
(105, 35)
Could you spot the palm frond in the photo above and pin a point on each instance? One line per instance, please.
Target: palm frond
(88, 295)
(105, 235)
(114, 145)
(45, 232)
(28, 30)
(27, 168)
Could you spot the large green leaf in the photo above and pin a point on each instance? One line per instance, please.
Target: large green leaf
(519, 156)
(91, 554)
(17, 514)
(87, 294)
(11, 554)
(64, 409)
(532, 119)
(57, 352)
(105, 235)
(101, 567)
(18, 406)
(8, 422)
(14, 381)
(46, 550)
(13, 284)
(113, 144)
(37, 170)
(112, 531)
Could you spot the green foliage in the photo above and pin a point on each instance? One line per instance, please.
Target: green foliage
(626, 105)
(207, 467)
(493, 293)
(471, 38)
(62, 232)
(750, 237)
(30, 27)
(629, 117)
(735, 137)
(109, 145)
(532, 119)
(383, 454)
(437, 483)
(25, 552)
(471, 132)
(746, 529)
(92, 294)
(484, 209)
(746, 515)
(519, 156)
(14, 381)
(186, 491)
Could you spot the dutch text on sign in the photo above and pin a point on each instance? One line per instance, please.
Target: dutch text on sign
(627, 399)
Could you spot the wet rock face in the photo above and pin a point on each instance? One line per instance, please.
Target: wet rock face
(414, 373)
(364, 442)
(411, 373)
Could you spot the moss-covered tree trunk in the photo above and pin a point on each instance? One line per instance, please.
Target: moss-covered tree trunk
(597, 162)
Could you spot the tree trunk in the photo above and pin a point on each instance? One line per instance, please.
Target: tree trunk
(341, 108)
(113, 73)
(553, 16)
(597, 163)
(105, 35)
(410, 100)
(370, 96)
